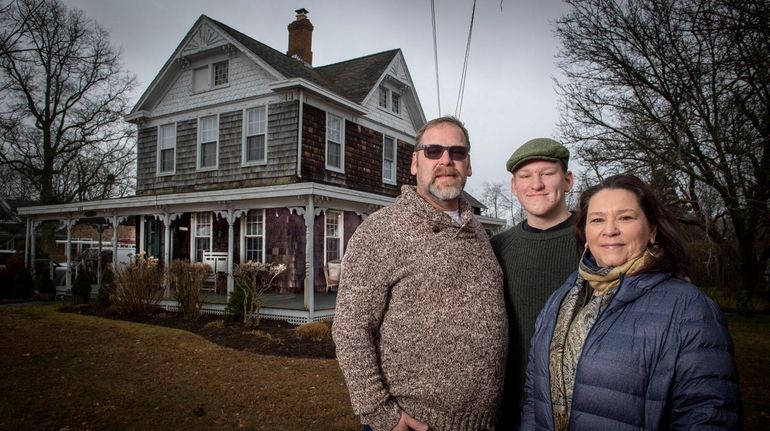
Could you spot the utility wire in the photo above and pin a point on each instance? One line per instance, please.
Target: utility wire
(461, 91)
(435, 52)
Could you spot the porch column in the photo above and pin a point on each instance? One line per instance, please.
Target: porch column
(31, 242)
(116, 220)
(167, 218)
(69, 223)
(141, 235)
(310, 258)
(26, 244)
(230, 216)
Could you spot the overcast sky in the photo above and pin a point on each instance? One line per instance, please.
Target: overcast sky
(509, 90)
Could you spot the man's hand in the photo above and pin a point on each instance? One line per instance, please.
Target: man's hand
(407, 423)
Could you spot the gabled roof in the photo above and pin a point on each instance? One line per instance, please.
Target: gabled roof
(287, 66)
(355, 78)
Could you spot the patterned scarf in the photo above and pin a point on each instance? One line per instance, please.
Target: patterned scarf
(577, 314)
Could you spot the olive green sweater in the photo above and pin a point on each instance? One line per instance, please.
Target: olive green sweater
(534, 265)
(420, 323)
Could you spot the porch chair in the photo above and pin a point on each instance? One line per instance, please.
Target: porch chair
(332, 272)
(217, 261)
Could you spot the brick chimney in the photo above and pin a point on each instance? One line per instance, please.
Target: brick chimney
(301, 38)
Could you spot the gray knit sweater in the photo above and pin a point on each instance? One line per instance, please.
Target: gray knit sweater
(534, 265)
(420, 323)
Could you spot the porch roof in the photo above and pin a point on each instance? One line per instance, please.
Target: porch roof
(286, 195)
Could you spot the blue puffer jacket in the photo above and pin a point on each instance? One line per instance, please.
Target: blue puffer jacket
(659, 357)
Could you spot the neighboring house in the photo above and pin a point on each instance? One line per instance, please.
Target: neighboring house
(247, 153)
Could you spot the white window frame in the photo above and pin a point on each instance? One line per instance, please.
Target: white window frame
(161, 138)
(198, 155)
(339, 215)
(341, 137)
(214, 73)
(245, 234)
(246, 136)
(390, 99)
(210, 76)
(194, 233)
(393, 171)
(383, 97)
(395, 102)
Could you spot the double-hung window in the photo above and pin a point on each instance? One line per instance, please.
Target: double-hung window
(335, 149)
(202, 234)
(389, 159)
(166, 148)
(208, 137)
(255, 135)
(332, 235)
(253, 236)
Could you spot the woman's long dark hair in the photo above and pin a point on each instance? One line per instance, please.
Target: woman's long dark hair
(673, 257)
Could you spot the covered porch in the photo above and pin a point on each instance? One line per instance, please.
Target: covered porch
(302, 225)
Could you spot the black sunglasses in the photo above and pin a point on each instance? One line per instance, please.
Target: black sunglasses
(435, 151)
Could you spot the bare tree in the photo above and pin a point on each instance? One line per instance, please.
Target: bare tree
(63, 93)
(500, 202)
(678, 92)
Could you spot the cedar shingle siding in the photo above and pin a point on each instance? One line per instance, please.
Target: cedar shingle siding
(281, 155)
(363, 156)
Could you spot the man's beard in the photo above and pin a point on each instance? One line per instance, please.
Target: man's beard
(446, 193)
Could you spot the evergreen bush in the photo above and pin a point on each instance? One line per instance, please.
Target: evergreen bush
(234, 309)
(106, 289)
(81, 289)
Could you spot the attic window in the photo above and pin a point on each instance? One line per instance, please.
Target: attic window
(211, 76)
(395, 103)
(390, 100)
(221, 73)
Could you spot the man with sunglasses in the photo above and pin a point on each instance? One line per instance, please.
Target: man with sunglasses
(536, 255)
(420, 325)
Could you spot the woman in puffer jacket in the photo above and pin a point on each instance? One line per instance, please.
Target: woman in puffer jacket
(628, 343)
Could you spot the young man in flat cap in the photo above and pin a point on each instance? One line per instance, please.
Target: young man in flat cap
(536, 255)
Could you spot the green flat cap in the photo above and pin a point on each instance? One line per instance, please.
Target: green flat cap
(538, 149)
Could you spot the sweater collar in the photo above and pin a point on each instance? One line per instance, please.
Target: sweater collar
(429, 213)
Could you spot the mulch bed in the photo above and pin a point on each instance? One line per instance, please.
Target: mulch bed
(271, 337)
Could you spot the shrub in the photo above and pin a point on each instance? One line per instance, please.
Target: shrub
(234, 308)
(138, 286)
(81, 289)
(44, 286)
(314, 330)
(255, 279)
(187, 281)
(106, 289)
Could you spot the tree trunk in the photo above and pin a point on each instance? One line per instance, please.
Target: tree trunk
(748, 274)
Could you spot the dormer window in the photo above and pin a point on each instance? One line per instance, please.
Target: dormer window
(211, 76)
(390, 100)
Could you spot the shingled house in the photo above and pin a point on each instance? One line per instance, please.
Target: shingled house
(247, 153)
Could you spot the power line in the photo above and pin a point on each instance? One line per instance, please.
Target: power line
(435, 52)
(461, 91)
